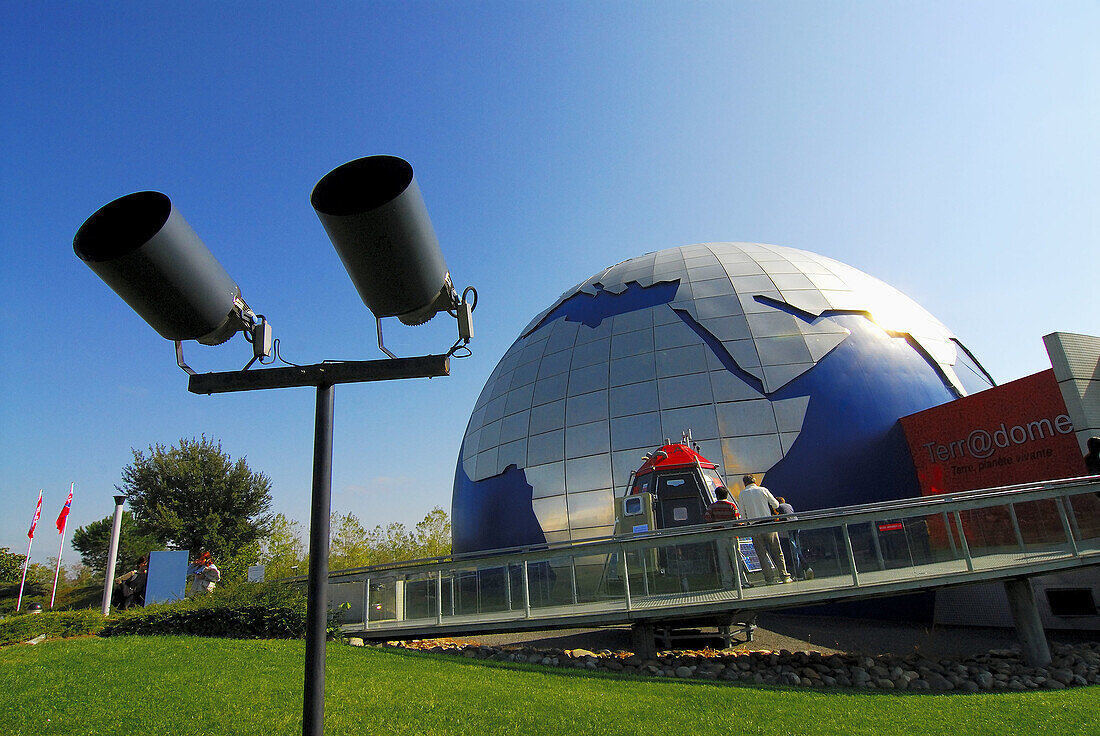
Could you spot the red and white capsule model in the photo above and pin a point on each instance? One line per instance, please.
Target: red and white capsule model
(680, 482)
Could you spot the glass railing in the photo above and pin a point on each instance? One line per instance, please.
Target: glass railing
(882, 548)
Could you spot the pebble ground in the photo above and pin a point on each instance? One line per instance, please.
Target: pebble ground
(809, 652)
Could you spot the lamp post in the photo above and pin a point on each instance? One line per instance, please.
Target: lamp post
(375, 217)
(112, 555)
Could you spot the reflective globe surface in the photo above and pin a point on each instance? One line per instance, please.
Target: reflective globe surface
(778, 361)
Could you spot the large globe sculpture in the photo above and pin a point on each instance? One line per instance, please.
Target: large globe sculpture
(778, 361)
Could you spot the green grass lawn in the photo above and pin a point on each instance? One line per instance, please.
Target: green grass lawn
(179, 685)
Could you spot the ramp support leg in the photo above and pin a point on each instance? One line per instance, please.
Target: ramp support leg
(644, 640)
(1029, 627)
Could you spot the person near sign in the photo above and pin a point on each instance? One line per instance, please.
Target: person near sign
(1092, 457)
(729, 555)
(204, 575)
(131, 585)
(798, 563)
(758, 504)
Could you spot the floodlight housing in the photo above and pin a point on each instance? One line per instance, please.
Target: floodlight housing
(146, 252)
(375, 217)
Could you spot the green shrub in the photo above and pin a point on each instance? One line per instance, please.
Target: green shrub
(333, 628)
(54, 624)
(33, 592)
(241, 611)
(79, 598)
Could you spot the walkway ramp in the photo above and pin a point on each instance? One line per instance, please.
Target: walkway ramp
(686, 574)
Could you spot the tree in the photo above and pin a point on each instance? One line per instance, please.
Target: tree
(78, 574)
(93, 542)
(234, 565)
(391, 543)
(194, 496)
(41, 574)
(433, 534)
(349, 544)
(11, 566)
(282, 550)
(352, 545)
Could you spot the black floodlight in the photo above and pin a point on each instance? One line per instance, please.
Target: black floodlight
(374, 215)
(146, 252)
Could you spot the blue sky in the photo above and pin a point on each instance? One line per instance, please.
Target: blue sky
(949, 149)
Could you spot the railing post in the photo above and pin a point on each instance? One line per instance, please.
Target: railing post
(878, 546)
(626, 578)
(1016, 527)
(573, 577)
(1066, 527)
(851, 556)
(735, 547)
(439, 597)
(399, 598)
(645, 575)
(950, 536)
(962, 541)
(477, 590)
(908, 541)
(366, 603)
(508, 584)
(1072, 518)
(526, 592)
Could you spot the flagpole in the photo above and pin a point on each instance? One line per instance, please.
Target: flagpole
(64, 525)
(57, 570)
(27, 561)
(19, 600)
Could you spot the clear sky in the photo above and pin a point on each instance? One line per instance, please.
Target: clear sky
(949, 149)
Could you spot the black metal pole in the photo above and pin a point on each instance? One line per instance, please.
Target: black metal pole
(313, 706)
(323, 376)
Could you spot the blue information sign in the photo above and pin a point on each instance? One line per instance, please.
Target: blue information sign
(167, 576)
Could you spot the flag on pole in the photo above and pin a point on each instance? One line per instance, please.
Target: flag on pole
(61, 548)
(27, 559)
(64, 512)
(37, 514)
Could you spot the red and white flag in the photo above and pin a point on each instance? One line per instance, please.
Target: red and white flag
(37, 514)
(27, 559)
(61, 548)
(64, 513)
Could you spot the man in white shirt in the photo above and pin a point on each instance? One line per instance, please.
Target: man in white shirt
(758, 503)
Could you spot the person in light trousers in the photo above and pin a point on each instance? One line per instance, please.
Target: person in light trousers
(758, 504)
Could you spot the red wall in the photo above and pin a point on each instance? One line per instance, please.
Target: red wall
(1013, 433)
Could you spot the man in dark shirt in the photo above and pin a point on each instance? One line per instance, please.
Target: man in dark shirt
(1092, 458)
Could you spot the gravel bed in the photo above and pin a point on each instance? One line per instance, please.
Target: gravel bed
(997, 670)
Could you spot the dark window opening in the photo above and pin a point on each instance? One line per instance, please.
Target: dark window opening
(1071, 601)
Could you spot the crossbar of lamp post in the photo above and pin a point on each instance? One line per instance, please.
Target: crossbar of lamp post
(320, 374)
